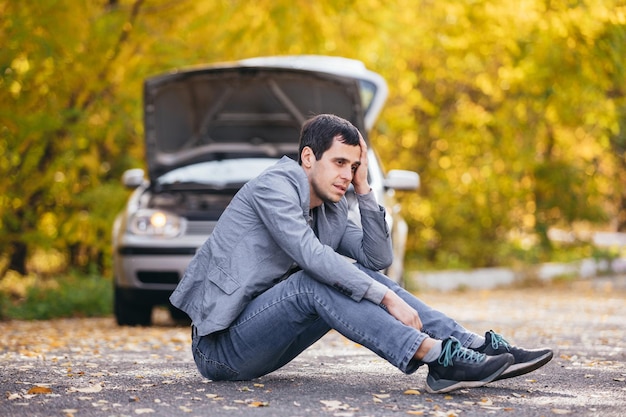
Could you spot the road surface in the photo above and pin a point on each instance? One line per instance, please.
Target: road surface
(91, 367)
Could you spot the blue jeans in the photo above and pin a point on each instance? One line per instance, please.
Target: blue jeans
(283, 321)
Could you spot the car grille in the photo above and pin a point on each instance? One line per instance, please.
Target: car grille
(200, 227)
(156, 251)
(152, 277)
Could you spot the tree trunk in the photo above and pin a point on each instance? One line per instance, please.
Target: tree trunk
(17, 261)
(621, 210)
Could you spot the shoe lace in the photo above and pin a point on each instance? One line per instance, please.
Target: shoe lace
(497, 341)
(454, 349)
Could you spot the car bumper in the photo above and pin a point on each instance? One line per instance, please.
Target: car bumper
(152, 264)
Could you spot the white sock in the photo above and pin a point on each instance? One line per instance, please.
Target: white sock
(433, 354)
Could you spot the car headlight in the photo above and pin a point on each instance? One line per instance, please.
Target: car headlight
(156, 223)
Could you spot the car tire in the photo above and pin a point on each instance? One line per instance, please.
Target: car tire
(130, 312)
(179, 316)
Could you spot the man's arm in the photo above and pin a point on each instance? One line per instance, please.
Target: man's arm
(370, 244)
(375, 250)
(280, 205)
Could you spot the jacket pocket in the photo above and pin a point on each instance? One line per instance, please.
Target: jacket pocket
(223, 280)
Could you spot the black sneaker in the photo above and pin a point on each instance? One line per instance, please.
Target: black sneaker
(458, 367)
(525, 360)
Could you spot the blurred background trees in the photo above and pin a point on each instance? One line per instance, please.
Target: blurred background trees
(513, 113)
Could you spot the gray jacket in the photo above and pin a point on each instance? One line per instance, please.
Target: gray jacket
(265, 232)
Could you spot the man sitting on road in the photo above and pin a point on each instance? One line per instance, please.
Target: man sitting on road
(274, 277)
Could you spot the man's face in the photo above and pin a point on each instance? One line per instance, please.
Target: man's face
(331, 176)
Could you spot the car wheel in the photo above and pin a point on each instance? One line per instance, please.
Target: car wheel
(179, 316)
(129, 312)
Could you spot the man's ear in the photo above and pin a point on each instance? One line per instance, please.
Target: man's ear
(307, 157)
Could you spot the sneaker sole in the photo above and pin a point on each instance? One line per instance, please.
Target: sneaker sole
(524, 368)
(444, 385)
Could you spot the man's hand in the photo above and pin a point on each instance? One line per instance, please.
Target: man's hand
(398, 308)
(361, 185)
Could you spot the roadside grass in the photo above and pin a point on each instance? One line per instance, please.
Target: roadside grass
(515, 255)
(33, 297)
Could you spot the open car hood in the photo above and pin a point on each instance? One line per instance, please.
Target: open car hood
(251, 108)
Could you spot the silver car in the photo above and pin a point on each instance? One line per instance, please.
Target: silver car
(210, 129)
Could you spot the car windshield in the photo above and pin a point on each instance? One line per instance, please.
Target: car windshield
(220, 173)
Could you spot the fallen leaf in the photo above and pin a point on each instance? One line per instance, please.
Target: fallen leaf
(560, 411)
(412, 392)
(144, 411)
(90, 389)
(256, 404)
(334, 405)
(415, 413)
(382, 396)
(39, 390)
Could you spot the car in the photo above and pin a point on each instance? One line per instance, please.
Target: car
(210, 129)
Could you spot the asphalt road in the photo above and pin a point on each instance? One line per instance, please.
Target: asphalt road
(91, 367)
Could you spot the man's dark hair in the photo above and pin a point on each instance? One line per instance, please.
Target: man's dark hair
(319, 132)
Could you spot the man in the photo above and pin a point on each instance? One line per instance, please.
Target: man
(274, 277)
